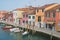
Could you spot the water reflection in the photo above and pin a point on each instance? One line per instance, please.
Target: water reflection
(17, 36)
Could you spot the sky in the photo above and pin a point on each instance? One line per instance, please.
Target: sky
(13, 4)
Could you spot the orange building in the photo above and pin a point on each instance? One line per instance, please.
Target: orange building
(39, 17)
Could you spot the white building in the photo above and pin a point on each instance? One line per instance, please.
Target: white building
(14, 16)
(31, 19)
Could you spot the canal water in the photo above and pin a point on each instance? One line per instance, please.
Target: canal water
(6, 35)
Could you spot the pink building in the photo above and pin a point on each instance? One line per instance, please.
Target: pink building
(20, 21)
(25, 18)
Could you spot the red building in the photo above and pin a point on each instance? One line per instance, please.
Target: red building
(52, 18)
(8, 17)
(2, 14)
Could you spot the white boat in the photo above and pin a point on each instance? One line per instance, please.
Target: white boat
(25, 33)
(15, 30)
(21, 30)
(11, 30)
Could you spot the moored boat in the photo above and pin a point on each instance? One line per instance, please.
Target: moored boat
(6, 27)
(25, 33)
(15, 30)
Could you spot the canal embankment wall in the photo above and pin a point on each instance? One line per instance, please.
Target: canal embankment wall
(43, 30)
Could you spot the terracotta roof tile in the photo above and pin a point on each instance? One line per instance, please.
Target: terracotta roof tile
(22, 9)
(26, 9)
(3, 11)
(29, 9)
(54, 8)
(47, 5)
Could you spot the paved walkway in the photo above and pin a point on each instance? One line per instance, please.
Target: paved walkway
(47, 31)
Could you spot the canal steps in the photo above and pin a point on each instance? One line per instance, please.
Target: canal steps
(47, 31)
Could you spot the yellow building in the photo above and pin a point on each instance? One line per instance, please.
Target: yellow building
(17, 14)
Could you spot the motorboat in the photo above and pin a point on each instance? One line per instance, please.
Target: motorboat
(6, 27)
(15, 30)
(25, 33)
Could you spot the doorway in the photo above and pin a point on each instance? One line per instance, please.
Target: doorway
(39, 20)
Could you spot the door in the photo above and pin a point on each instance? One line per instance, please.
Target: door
(39, 20)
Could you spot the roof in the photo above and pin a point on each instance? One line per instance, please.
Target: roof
(54, 8)
(22, 9)
(3, 11)
(47, 5)
(29, 9)
(33, 12)
(26, 8)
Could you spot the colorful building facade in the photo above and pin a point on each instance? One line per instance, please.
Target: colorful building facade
(31, 19)
(17, 16)
(2, 14)
(39, 18)
(8, 17)
(52, 17)
(25, 17)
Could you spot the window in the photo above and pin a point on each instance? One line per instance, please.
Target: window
(48, 14)
(39, 18)
(23, 21)
(42, 10)
(26, 15)
(59, 23)
(53, 14)
(26, 21)
(15, 14)
(29, 17)
(33, 17)
(23, 15)
(37, 10)
(59, 9)
(30, 22)
(19, 21)
(33, 23)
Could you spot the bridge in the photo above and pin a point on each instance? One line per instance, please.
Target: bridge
(44, 30)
